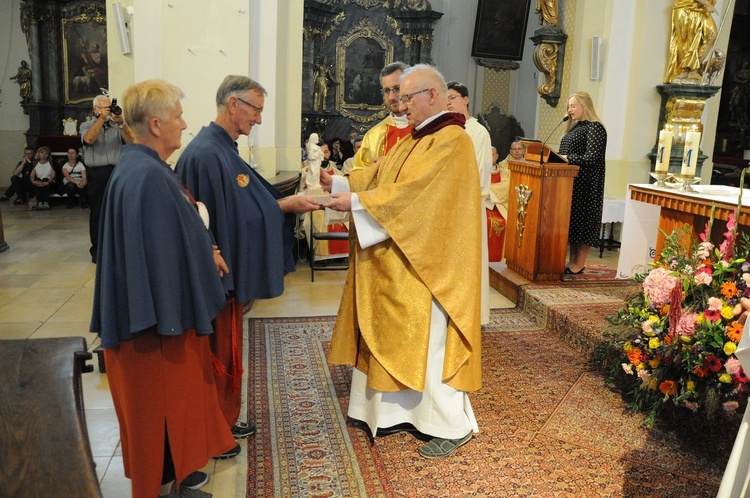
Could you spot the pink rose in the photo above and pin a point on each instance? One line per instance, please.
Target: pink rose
(733, 366)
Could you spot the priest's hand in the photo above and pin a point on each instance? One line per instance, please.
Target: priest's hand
(326, 180)
(221, 265)
(340, 202)
(298, 204)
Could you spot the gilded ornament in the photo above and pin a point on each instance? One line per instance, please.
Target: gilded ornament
(522, 194)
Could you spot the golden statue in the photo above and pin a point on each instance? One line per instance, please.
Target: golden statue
(547, 10)
(693, 33)
(23, 78)
(321, 77)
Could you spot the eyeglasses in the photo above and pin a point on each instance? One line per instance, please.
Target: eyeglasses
(406, 99)
(259, 109)
(453, 97)
(386, 91)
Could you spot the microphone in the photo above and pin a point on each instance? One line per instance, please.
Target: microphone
(541, 152)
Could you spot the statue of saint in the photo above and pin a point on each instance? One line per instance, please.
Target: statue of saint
(693, 33)
(314, 160)
(321, 77)
(23, 78)
(547, 10)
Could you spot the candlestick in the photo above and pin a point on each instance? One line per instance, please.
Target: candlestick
(690, 157)
(664, 149)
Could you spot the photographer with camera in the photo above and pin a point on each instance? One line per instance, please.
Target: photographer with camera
(102, 138)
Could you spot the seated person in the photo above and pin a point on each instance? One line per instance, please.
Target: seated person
(19, 181)
(74, 179)
(42, 177)
(499, 189)
(349, 163)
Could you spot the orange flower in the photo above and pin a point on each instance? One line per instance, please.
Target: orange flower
(729, 290)
(700, 371)
(664, 310)
(734, 331)
(707, 263)
(634, 355)
(668, 387)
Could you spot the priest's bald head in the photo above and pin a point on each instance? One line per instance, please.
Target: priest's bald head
(423, 93)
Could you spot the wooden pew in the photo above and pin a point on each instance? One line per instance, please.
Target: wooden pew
(44, 445)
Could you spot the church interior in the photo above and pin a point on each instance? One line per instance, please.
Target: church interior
(320, 60)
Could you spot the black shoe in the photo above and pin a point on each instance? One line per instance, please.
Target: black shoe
(19, 201)
(93, 259)
(3, 198)
(70, 206)
(84, 205)
(241, 430)
(195, 480)
(229, 454)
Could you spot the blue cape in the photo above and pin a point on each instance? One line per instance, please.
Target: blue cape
(155, 262)
(253, 235)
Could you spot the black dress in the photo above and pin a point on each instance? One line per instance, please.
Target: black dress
(585, 145)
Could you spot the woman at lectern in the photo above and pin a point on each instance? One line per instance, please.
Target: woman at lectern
(584, 145)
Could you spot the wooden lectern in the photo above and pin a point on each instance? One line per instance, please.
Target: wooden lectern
(536, 236)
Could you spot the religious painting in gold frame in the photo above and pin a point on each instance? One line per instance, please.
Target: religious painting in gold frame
(360, 55)
(85, 70)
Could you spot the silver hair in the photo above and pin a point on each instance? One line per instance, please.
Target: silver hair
(234, 85)
(437, 75)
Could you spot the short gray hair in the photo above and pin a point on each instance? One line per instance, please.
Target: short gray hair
(234, 85)
(98, 99)
(436, 76)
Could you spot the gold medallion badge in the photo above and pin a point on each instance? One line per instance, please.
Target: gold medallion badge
(243, 180)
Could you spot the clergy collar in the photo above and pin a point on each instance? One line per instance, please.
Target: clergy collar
(437, 122)
(400, 121)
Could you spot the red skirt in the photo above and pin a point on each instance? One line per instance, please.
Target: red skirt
(226, 347)
(165, 385)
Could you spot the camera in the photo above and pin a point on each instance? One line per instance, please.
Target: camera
(114, 108)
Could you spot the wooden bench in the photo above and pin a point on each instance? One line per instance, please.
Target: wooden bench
(44, 444)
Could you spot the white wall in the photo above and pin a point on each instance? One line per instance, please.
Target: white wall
(13, 122)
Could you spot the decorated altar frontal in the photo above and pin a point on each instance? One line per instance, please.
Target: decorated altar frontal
(649, 208)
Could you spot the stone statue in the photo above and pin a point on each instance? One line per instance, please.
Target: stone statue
(692, 38)
(23, 78)
(321, 77)
(314, 160)
(547, 10)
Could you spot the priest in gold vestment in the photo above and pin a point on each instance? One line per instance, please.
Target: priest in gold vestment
(383, 136)
(409, 317)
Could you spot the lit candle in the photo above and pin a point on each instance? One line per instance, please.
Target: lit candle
(664, 149)
(690, 159)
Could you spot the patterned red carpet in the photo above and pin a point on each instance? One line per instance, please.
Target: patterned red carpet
(549, 426)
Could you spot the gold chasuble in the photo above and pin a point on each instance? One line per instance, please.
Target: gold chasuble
(425, 194)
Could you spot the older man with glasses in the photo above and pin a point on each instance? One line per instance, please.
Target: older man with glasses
(409, 317)
(383, 136)
(250, 227)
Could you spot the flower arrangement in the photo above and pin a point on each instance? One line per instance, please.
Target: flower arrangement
(676, 338)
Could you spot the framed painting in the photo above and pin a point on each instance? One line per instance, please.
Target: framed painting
(360, 55)
(84, 57)
(500, 30)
